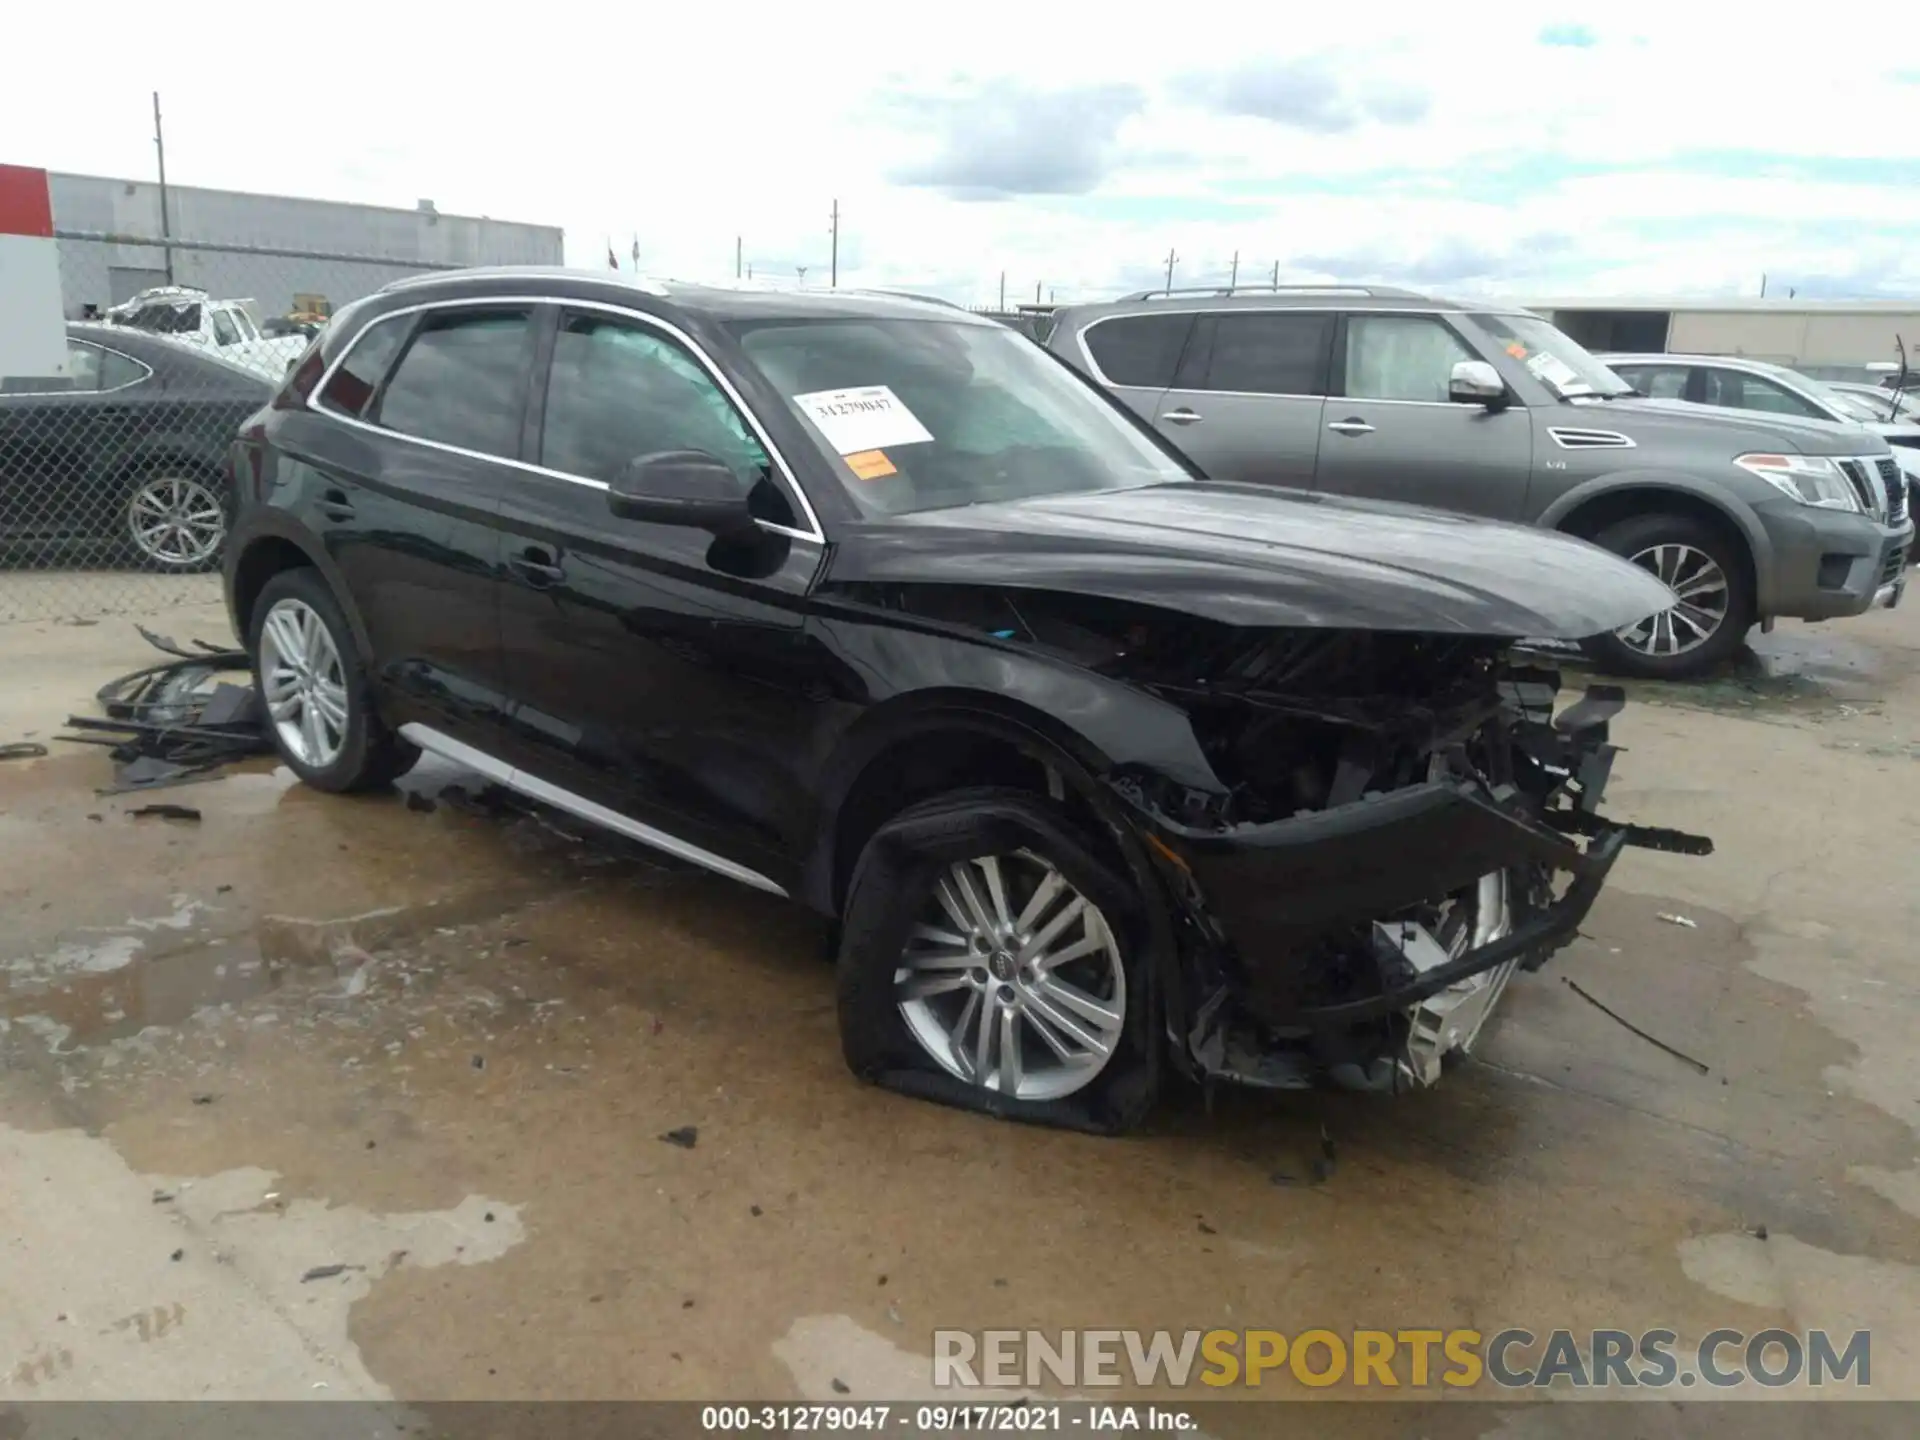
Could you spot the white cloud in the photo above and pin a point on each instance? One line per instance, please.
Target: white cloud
(1457, 153)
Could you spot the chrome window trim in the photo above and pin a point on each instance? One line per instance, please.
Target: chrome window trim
(1093, 366)
(645, 284)
(513, 778)
(146, 372)
(625, 312)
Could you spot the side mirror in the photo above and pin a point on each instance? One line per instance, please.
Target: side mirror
(1475, 382)
(681, 487)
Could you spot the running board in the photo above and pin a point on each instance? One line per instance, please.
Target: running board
(534, 788)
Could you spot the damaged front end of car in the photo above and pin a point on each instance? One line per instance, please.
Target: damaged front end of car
(1404, 821)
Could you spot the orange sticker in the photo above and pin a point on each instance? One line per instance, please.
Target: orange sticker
(1517, 350)
(870, 464)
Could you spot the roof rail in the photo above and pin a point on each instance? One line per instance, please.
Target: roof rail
(1382, 292)
(906, 295)
(622, 279)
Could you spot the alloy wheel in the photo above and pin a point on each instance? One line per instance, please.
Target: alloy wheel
(303, 683)
(1013, 981)
(176, 521)
(1703, 599)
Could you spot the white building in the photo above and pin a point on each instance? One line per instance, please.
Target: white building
(1835, 339)
(279, 251)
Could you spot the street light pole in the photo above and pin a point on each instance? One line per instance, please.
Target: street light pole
(160, 150)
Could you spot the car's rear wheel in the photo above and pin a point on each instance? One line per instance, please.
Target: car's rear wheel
(990, 959)
(313, 685)
(175, 519)
(1715, 609)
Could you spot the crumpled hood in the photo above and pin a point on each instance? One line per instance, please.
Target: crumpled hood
(1259, 556)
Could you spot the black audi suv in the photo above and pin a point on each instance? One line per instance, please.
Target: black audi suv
(866, 601)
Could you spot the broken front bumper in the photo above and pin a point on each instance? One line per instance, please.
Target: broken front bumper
(1313, 954)
(1272, 891)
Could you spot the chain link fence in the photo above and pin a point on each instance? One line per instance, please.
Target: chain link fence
(114, 497)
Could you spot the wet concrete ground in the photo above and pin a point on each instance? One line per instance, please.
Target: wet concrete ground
(365, 1097)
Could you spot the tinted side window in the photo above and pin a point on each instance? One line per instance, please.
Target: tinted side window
(462, 381)
(83, 366)
(1271, 353)
(1401, 357)
(223, 328)
(359, 375)
(117, 370)
(620, 391)
(1139, 350)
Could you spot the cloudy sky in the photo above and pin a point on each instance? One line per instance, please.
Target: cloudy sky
(1529, 150)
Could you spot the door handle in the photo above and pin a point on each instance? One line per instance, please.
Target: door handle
(335, 505)
(538, 566)
(1351, 427)
(1183, 416)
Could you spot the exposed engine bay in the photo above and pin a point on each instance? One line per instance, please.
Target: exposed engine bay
(1403, 821)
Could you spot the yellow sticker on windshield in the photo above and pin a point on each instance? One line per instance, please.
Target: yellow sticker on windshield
(871, 464)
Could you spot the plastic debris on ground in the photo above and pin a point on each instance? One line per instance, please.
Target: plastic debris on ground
(176, 722)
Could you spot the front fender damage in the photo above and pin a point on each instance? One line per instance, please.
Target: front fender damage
(1390, 848)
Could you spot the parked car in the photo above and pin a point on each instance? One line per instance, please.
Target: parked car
(865, 601)
(194, 317)
(1384, 393)
(1882, 403)
(1735, 383)
(125, 456)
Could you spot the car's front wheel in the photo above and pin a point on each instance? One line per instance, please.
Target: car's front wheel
(1715, 608)
(990, 959)
(313, 685)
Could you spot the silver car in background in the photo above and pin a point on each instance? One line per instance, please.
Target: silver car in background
(1491, 410)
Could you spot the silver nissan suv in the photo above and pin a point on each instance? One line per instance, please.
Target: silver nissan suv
(1481, 408)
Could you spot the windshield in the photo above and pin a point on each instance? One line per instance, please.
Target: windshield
(1854, 407)
(162, 318)
(1553, 358)
(926, 415)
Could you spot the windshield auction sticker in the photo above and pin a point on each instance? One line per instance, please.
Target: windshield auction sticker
(869, 418)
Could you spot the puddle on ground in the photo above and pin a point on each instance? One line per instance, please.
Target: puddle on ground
(219, 1287)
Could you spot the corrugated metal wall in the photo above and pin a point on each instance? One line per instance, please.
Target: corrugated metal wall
(1790, 338)
(104, 274)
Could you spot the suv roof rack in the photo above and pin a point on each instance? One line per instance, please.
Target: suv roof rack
(906, 295)
(1384, 292)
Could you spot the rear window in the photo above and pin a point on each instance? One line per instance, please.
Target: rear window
(353, 384)
(1138, 350)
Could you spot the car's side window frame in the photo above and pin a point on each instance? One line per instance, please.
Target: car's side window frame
(100, 370)
(1337, 366)
(1092, 363)
(531, 433)
(545, 312)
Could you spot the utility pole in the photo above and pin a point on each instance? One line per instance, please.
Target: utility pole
(1172, 260)
(160, 149)
(1763, 286)
(1276, 274)
(1233, 276)
(833, 281)
(1003, 289)
(1036, 292)
(801, 271)
(737, 252)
